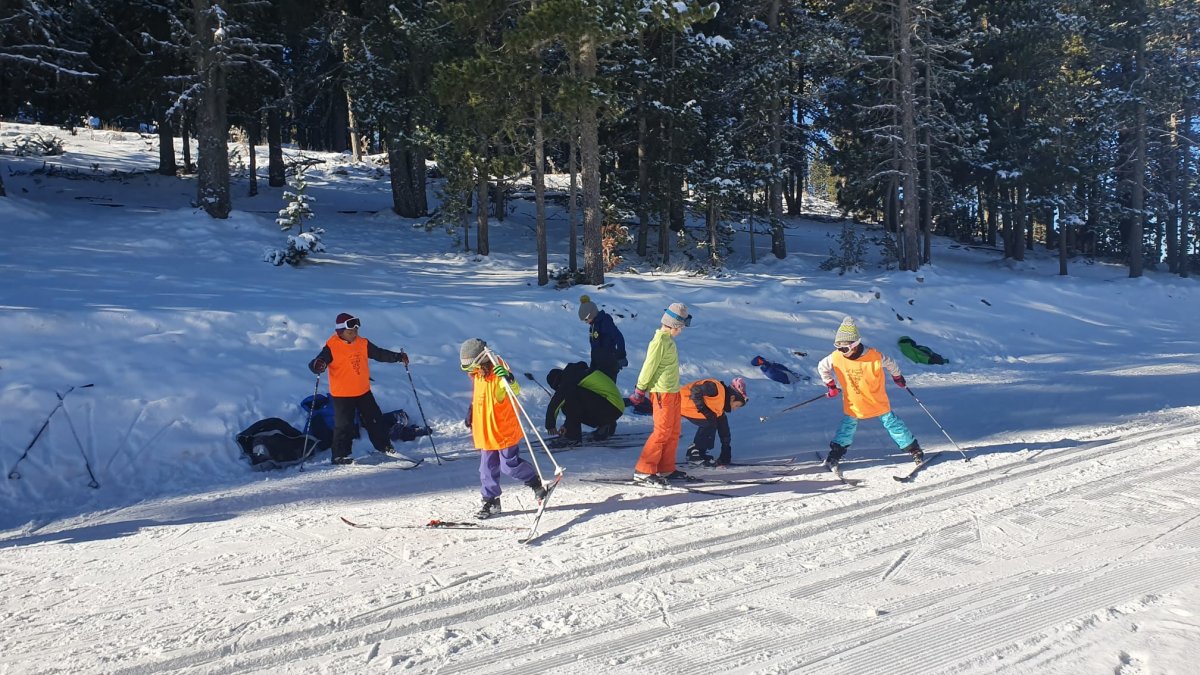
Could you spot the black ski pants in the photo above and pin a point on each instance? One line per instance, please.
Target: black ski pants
(369, 416)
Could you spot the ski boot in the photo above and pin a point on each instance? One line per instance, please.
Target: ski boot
(836, 452)
(342, 460)
(488, 508)
(697, 456)
(539, 490)
(604, 431)
(914, 449)
(650, 479)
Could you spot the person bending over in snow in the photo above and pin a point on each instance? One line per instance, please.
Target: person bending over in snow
(660, 376)
(608, 344)
(495, 428)
(345, 356)
(705, 403)
(584, 396)
(860, 370)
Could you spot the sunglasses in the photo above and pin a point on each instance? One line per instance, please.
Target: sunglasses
(687, 321)
(846, 349)
(349, 324)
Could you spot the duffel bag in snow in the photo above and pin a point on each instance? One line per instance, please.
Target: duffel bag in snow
(273, 444)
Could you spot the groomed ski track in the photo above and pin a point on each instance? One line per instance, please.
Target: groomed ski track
(944, 574)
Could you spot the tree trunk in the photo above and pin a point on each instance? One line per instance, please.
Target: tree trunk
(1187, 205)
(711, 223)
(1137, 198)
(539, 186)
(166, 149)
(352, 126)
(212, 184)
(775, 150)
(643, 179)
(276, 171)
(589, 150)
(253, 134)
(499, 204)
(401, 174)
(1020, 219)
(573, 203)
(908, 147)
(185, 136)
(481, 199)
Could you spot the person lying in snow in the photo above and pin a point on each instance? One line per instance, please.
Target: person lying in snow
(776, 371)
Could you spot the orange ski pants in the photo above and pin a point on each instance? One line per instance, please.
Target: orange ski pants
(658, 455)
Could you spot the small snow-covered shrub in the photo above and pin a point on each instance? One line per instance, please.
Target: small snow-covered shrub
(293, 214)
(34, 145)
(849, 253)
(298, 248)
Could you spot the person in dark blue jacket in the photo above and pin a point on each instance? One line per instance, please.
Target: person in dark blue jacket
(608, 345)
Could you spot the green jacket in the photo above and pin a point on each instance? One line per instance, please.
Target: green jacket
(660, 370)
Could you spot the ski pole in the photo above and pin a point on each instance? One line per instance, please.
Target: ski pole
(939, 426)
(13, 475)
(531, 379)
(520, 409)
(422, 411)
(92, 484)
(793, 407)
(312, 403)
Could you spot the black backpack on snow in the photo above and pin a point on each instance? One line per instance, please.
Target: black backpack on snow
(274, 444)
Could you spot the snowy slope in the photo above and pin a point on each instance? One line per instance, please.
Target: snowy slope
(1070, 543)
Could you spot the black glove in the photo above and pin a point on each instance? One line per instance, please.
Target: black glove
(467, 421)
(623, 363)
(317, 366)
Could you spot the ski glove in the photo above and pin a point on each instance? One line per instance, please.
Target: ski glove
(638, 397)
(318, 366)
(623, 363)
(403, 357)
(501, 371)
(467, 421)
(833, 390)
(899, 380)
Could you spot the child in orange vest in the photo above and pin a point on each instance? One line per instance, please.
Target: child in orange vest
(495, 428)
(860, 371)
(345, 356)
(704, 403)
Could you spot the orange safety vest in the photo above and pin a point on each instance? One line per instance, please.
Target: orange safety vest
(863, 394)
(349, 374)
(688, 408)
(494, 424)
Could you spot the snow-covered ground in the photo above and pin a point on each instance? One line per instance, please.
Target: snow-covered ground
(1070, 543)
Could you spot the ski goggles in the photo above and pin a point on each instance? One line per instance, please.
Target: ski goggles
(687, 320)
(846, 348)
(474, 363)
(349, 324)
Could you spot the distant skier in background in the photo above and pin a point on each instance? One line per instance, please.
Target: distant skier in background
(860, 371)
(584, 396)
(607, 343)
(660, 377)
(706, 403)
(492, 419)
(345, 355)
